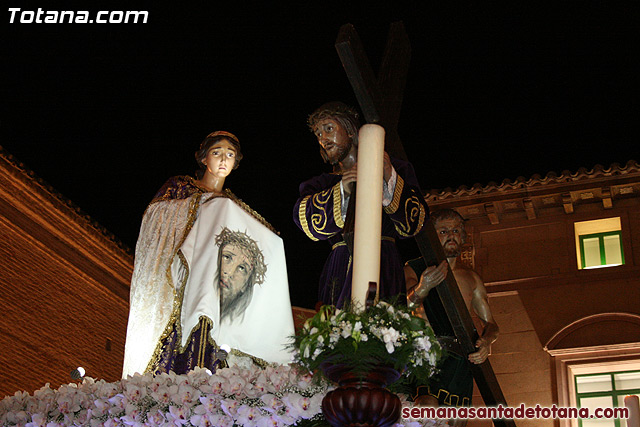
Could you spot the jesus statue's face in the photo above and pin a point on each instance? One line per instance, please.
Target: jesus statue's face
(235, 271)
(333, 138)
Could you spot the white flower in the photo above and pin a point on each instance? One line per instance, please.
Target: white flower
(316, 352)
(389, 337)
(422, 344)
(346, 329)
(334, 336)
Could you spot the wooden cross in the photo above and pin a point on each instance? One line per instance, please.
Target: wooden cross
(380, 99)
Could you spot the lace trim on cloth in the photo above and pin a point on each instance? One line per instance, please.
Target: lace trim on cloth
(174, 318)
(245, 207)
(152, 294)
(191, 187)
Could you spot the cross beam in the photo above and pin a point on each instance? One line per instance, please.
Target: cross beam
(380, 98)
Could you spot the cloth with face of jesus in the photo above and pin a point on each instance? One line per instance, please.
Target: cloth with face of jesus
(319, 213)
(199, 250)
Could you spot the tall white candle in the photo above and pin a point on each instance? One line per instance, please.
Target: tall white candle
(368, 218)
(633, 405)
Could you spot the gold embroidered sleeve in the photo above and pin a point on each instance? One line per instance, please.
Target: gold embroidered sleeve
(319, 215)
(407, 210)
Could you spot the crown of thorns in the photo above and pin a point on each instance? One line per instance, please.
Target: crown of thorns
(331, 110)
(249, 247)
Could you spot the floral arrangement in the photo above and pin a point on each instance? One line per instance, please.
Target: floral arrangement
(382, 334)
(275, 396)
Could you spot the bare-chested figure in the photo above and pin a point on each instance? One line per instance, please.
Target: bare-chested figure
(454, 385)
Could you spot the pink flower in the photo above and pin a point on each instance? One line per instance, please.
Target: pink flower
(163, 394)
(209, 405)
(111, 422)
(303, 381)
(101, 406)
(300, 406)
(229, 406)
(67, 402)
(272, 403)
(222, 420)
(117, 404)
(83, 417)
(106, 390)
(204, 420)
(215, 383)
(235, 386)
(37, 420)
(132, 416)
(134, 393)
(274, 421)
(247, 415)
(186, 395)
(178, 414)
(156, 418)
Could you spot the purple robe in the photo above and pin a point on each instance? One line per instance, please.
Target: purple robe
(318, 213)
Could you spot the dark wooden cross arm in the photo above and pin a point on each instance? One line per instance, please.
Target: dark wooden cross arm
(380, 99)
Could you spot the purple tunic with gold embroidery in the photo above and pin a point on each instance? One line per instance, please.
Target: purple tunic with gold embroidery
(318, 213)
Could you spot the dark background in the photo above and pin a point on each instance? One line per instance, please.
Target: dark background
(105, 113)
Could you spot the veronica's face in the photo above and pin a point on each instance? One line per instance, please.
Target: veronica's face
(333, 137)
(235, 270)
(220, 159)
(450, 232)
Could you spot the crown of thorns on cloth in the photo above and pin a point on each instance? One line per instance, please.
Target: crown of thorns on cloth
(249, 248)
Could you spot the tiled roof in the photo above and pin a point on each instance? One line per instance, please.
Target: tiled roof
(632, 168)
(55, 195)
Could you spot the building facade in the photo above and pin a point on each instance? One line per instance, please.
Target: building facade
(64, 287)
(560, 257)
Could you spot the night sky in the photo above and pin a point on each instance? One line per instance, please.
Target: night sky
(105, 113)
